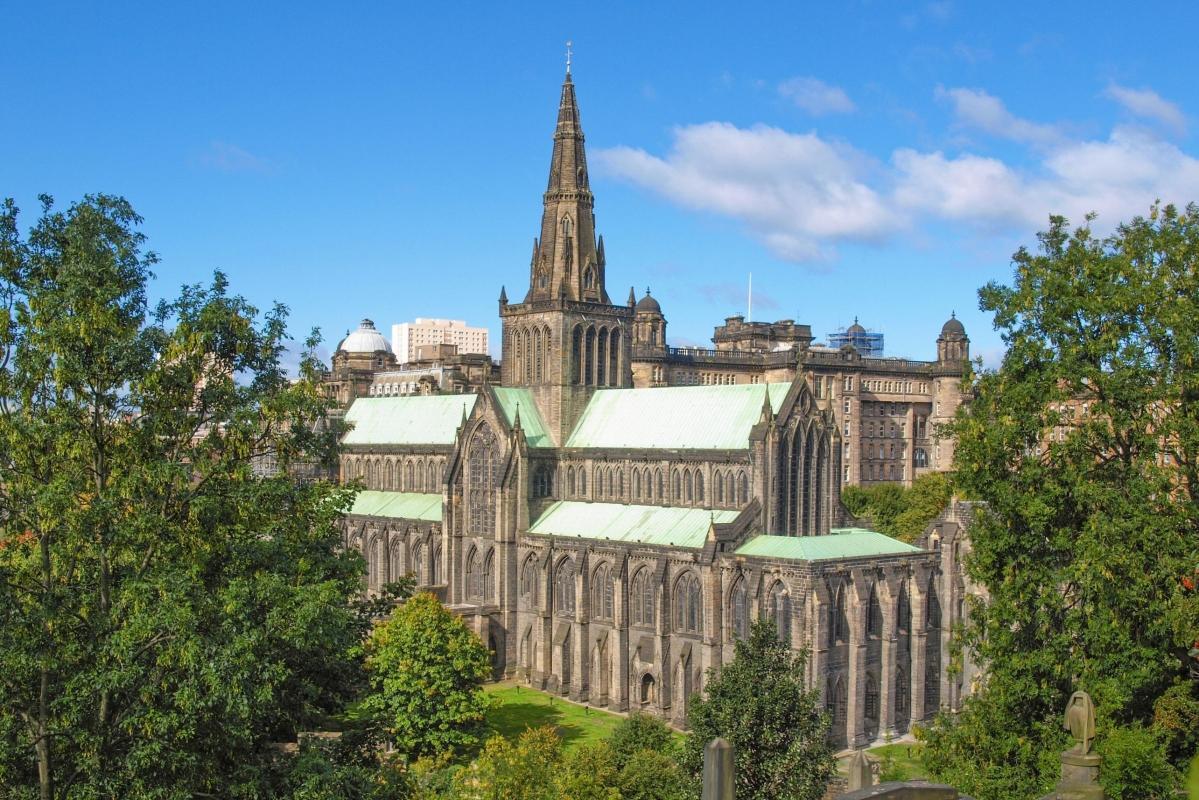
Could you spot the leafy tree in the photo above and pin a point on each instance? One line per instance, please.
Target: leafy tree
(759, 703)
(426, 672)
(898, 511)
(589, 772)
(1135, 765)
(166, 609)
(652, 775)
(638, 732)
(520, 770)
(1085, 446)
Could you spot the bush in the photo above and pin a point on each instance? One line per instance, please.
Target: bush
(638, 732)
(1135, 765)
(650, 775)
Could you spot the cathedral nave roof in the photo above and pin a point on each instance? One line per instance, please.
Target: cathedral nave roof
(414, 419)
(675, 417)
(398, 505)
(656, 525)
(839, 543)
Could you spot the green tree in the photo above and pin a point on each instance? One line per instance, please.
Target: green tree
(520, 770)
(1085, 446)
(589, 772)
(426, 673)
(899, 511)
(651, 775)
(759, 703)
(638, 732)
(166, 609)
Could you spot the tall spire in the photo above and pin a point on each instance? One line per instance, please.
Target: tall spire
(568, 263)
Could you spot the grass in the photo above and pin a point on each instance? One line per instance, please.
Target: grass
(907, 758)
(521, 707)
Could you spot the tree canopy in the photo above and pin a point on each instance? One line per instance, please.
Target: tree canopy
(426, 671)
(759, 703)
(168, 607)
(1084, 444)
(900, 511)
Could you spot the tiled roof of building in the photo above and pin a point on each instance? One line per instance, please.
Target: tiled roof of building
(841, 543)
(675, 417)
(398, 505)
(531, 423)
(675, 527)
(419, 419)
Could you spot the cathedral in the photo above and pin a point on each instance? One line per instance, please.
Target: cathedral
(611, 540)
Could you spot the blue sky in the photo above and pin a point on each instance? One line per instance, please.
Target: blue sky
(387, 160)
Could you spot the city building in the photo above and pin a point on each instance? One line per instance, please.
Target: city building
(868, 343)
(889, 410)
(610, 541)
(408, 338)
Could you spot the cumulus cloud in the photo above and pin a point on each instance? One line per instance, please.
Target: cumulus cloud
(975, 108)
(796, 192)
(816, 97)
(801, 194)
(1150, 105)
(226, 157)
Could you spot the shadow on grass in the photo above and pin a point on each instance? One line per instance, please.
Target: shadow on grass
(520, 708)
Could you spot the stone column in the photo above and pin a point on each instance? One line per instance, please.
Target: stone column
(855, 678)
(918, 638)
(618, 691)
(886, 678)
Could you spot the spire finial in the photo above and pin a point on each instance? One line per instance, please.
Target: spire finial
(953, 314)
(568, 54)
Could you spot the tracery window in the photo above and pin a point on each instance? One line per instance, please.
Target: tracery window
(528, 581)
(543, 481)
(602, 605)
(718, 485)
(564, 588)
(636, 484)
(699, 487)
(489, 577)
(474, 576)
(641, 599)
(688, 493)
(676, 484)
(742, 488)
(688, 614)
(484, 465)
(739, 609)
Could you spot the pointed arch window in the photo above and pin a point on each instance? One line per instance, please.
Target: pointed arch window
(570, 480)
(739, 609)
(528, 581)
(839, 625)
(583, 481)
(742, 488)
(688, 615)
(602, 605)
(564, 588)
(699, 487)
(688, 487)
(874, 615)
(779, 610)
(474, 576)
(489, 577)
(483, 468)
(718, 485)
(641, 599)
(543, 481)
(636, 484)
(567, 226)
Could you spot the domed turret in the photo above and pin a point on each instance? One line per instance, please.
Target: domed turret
(855, 328)
(648, 303)
(953, 327)
(364, 340)
(953, 344)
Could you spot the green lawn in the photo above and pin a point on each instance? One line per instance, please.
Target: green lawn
(907, 758)
(521, 707)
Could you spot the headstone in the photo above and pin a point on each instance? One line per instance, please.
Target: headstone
(860, 775)
(718, 770)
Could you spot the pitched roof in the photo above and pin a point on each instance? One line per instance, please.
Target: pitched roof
(675, 417)
(677, 527)
(841, 543)
(536, 433)
(398, 505)
(417, 419)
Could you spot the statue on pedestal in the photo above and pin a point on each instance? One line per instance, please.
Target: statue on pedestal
(1080, 767)
(1080, 721)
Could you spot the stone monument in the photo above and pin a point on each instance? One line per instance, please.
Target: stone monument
(1080, 767)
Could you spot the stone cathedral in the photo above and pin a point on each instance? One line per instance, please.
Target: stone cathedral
(611, 543)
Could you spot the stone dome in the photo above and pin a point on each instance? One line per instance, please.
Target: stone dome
(649, 304)
(855, 327)
(364, 340)
(953, 327)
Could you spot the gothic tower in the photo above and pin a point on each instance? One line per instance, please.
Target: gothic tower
(566, 339)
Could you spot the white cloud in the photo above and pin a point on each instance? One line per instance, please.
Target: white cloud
(227, 157)
(816, 97)
(977, 109)
(801, 195)
(795, 192)
(1149, 104)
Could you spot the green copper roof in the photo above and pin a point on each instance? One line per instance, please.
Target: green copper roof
(675, 417)
(530, 418)
(421, 419)
(841, 543)
(398, 505)
(679, 527)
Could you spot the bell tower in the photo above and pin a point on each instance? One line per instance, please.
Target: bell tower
(566, 339)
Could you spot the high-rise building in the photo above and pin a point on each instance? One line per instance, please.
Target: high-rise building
(408, 337)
